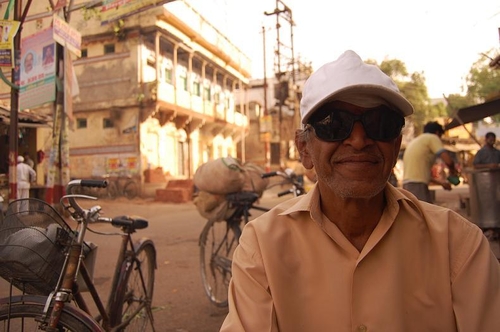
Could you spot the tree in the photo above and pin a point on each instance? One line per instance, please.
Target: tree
(483, 81)
(456, 102)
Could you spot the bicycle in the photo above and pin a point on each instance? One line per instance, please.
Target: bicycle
(52, 272)
(219, 238)
(121, 185)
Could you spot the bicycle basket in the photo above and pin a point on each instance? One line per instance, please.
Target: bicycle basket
(32, 238)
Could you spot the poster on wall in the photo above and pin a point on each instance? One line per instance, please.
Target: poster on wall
(8, 30)
(37, 72)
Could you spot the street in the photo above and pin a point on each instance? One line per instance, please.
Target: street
(179, 300)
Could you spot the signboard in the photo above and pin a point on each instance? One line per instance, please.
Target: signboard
(8, 30)
(67, 36)
(37, 70)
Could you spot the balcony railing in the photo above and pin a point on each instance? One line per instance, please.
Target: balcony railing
(166, 93)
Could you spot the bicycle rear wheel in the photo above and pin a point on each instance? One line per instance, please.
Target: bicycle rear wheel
(130, 190)
(112, 190)
(21, 316)
(134, 293)
(217, 243)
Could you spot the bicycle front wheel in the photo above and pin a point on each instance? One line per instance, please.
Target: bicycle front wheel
(217, 243)
(130, 190)
(134, 293)
(22, 316)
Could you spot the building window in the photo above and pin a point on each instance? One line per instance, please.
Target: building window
(168, 75)
(207, 93)
(197, 89)
(84, 53)
(81, 123)
(109, 48)
(184, 83)
(107, 123)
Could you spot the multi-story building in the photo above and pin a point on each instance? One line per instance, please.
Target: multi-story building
(156, 91)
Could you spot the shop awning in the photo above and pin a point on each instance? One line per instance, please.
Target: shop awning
(26, 119)
(474, 113)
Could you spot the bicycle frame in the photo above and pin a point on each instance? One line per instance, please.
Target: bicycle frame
(110, 317)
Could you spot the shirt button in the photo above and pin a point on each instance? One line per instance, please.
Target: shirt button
(362, 328)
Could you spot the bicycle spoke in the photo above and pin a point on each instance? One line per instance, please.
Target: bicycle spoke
(137, 288)
(217, 245)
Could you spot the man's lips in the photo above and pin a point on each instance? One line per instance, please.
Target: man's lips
(358, 159)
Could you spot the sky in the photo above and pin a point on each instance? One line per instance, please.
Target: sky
(439, 38)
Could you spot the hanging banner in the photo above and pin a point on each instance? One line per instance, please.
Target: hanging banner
(8, 30)
(67, 36)
(38, 68)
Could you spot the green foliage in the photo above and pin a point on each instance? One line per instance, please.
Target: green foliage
(396, 69)
(456, 102)
(89, 13)
(439, 110)
(483, 81)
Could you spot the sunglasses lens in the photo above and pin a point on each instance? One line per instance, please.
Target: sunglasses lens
(336, 126)
(381, 124)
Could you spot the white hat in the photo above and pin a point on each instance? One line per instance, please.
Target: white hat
(346, 77)
(20, 159)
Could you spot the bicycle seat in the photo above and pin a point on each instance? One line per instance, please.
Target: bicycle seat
(132, 222)
(242, 198)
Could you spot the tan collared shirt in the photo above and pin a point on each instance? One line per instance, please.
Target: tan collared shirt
(424, 268)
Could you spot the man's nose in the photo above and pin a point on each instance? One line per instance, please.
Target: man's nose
(358, 138)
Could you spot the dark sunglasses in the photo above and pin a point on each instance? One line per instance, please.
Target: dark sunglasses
(380, 123)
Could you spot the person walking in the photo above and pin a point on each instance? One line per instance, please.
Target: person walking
(418, 158)
(355, 253)
(488, 156)
(25, 176)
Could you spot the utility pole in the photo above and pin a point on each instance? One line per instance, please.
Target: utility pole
(282, 11)
(14, 101)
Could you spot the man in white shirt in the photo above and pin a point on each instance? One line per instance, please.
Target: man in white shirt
(25, 176)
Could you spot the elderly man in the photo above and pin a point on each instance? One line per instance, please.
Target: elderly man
(355, 253)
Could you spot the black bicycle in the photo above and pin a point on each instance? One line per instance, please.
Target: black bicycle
(49, 263)
(219, 237)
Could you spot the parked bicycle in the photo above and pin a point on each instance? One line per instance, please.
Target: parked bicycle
(219, 237)
(47, 260)
(121, 185)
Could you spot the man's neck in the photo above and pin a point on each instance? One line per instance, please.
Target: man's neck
(355, 218)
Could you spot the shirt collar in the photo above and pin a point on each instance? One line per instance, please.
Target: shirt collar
(311, 201)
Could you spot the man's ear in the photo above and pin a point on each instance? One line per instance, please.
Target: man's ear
(305, 157)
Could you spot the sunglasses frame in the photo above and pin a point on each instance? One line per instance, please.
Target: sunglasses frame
(396, 118)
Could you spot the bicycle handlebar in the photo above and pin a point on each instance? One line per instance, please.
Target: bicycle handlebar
(290, 177)
(82, 183)
(268, 175)
(92, 214)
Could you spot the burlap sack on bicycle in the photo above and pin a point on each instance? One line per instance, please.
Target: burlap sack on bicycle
(220, 176)
(211, 206)
(253, 180)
